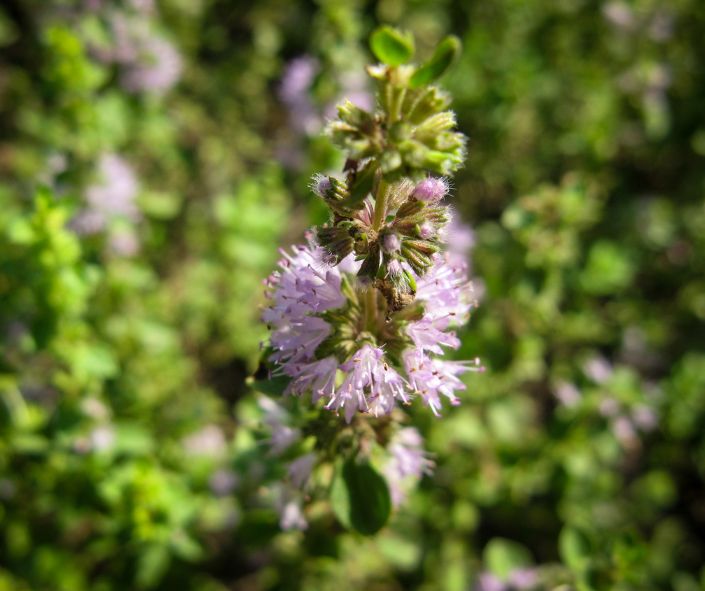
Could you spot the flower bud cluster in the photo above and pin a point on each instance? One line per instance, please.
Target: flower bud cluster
(398, 232)
(412, 134)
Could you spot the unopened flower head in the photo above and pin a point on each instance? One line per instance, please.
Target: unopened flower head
(321, 185)
(426, 231)
(391, 243)
(431, 189)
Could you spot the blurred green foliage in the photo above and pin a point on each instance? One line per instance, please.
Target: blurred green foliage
(131, 451)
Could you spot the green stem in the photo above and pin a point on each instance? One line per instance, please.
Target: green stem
(388, 95)
(397, 101)
(380, 204)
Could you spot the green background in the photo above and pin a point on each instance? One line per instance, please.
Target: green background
(123, 403)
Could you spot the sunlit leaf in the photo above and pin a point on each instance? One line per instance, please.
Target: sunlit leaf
(391, 46)
(443, 58)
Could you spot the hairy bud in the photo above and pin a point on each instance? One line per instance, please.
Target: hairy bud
(431, 189)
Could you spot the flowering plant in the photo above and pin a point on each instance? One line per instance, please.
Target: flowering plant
(361, 315)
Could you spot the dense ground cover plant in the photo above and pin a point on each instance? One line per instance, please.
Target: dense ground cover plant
(153, 153)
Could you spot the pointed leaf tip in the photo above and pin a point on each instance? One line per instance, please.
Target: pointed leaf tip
(442, 59)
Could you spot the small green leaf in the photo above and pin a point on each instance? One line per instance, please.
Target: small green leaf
(340, 497)
(391, 46)
(360, 497)
(446, 53)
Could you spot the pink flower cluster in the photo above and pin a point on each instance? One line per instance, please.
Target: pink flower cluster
(367, 381)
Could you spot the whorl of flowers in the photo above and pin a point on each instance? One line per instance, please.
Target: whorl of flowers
(339, 339)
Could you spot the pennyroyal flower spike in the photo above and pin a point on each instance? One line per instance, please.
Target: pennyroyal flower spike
(362, 317)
